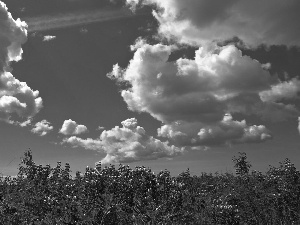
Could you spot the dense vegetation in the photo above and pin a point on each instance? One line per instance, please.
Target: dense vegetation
(44, 195)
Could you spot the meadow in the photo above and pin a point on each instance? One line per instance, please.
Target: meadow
(109, 195)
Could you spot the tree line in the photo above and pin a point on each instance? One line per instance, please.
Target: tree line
(50, 195)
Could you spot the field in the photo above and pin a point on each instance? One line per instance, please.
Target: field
(45, 195)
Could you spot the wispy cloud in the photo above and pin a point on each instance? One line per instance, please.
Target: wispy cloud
(48, 38)
(49, 22)
(299, 124)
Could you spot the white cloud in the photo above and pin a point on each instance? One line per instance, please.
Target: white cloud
(42, 128)
(217, 81)
(83, 30)
(16, 97)
(253, 134)
(266, 66)
(130, 143)
(24, 123)
(49, 38)
(13, 34)
(225, 132)
(11, 104)
(197, 93)
(100, 128)
(26, 102)
(70, 127)
(229, 131)
(200, 21)
(89, 144)
(126, 144)
(129, 123)
(284, 90)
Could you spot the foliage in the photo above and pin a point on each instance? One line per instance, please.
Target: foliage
(242, 166)
(45, 195)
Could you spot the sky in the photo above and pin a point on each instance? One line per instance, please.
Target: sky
(165, 84)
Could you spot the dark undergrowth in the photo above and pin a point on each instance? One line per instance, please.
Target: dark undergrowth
(45, 195)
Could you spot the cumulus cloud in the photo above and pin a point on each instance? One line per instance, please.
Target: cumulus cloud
(199, 21)
(11, 104)
(230, 131)
(70, 127)
(283, 90)
(130, 143)
(24, 123)
(127, 144)
(48, 38)
(266, 66)
(217, 81)
(14, 34)
(89, 143)
(197, 93)
(225, 132)
(16, 98)
(42, 128)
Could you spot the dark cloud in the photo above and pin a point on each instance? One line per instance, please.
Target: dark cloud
(284, 60)
(195, 22)
(201, 13)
